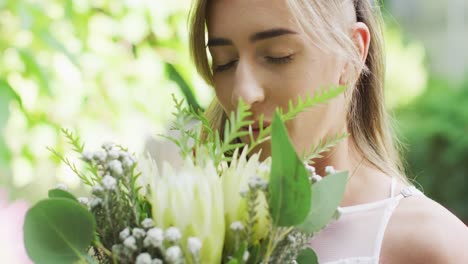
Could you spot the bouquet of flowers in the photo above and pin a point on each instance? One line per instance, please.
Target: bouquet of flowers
(223, 205)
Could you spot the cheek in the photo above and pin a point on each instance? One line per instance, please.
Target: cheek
(306, 77)
(223, 95)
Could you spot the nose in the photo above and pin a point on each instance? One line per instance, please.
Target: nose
(247, 85)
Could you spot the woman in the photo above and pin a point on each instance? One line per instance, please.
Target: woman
(268, 52)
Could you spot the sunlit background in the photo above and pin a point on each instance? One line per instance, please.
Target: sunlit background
(106, 70)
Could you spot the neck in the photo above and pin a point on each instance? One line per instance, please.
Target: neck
(364, 181)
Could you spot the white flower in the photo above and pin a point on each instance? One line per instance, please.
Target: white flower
(128, 162)
(194, 245)
(87, 156)
(235, 179)
(173, 234)
(83, 200)
(154, 238)
(138, 233)
(294, 262)
(147, 223)
(100, 156)
(315, 178)
(62, 187)
(246, 256)
(95, 202)
(292, 239)
(113, 154)
(143, 258)
(97, 190)
(173, 254)
(191, 199)
(130, 243)
(157, 261)
(108, 146)
(116, 167)
(124, 234)
(109, 182)
(329, 170)
(237, 226)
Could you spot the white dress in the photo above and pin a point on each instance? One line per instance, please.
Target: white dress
(356, 237)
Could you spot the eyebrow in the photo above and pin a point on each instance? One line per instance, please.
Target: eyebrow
(262, 35)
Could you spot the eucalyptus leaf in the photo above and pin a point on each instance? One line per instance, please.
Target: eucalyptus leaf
(289, 186)
(58, 230)
(326, 197)
(59, 193)
(307, 256)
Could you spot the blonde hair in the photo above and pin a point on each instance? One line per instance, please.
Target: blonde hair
(368, 121)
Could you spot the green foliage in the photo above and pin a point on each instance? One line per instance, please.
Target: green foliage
(289, 181)
(90, 66)
(307, 256)
(326, 197)
(58, 230)
(435, 128)
(58, 193)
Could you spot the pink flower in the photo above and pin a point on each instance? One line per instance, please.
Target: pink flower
(11, 231)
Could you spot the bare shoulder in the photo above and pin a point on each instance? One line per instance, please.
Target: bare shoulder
(423, 231)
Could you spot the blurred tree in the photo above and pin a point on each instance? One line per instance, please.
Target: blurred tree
(105, 69)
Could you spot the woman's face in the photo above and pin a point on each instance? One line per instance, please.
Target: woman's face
(260, 54)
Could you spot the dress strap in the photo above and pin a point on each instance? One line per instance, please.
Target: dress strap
(408, 191)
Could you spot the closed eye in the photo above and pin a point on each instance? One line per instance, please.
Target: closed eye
(279, 60)
(224, 67)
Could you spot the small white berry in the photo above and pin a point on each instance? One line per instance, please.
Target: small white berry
(116, 167)
(87, 156)
(95, 202)
(109, 182)
(154, 238)
(173, 234)
(173, 254)
(156, 261)
(329, 170)
(143, 258)
(113, 154)
(130, 243)
(124, 234)
(100, 156)
(108, 145)
(97, 190)
(83, 200)
(194, 245)
(147, 223)
(138, 233)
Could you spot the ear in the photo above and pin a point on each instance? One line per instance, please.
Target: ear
(360, 35)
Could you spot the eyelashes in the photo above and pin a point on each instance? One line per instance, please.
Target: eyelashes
(268, 59)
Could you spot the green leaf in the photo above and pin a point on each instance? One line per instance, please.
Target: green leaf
(233, 261)
(33, 68)
(326, 197)
(7, 95)
(58, 193)
(289, 186)
(58, 230)
(307, 256)
(184, 87)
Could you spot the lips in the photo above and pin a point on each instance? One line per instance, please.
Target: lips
(256, 126)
